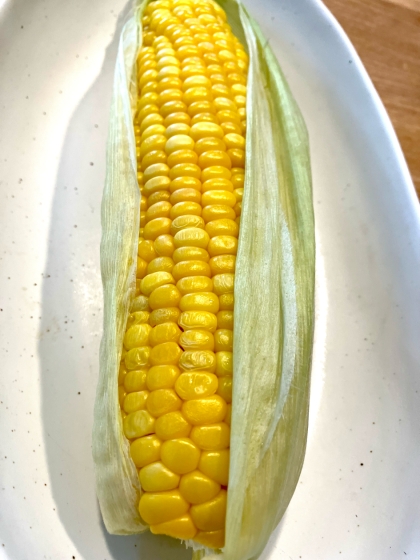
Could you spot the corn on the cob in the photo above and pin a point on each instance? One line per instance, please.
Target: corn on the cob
(163, 450)
(175, 380)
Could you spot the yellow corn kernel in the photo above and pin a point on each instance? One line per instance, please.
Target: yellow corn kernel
(141, 268)
(225, 388)
(223, 340)
(145, 450)
(172, 425)
(186, 269)
(155, 280)
(159, 196)
(137, 318)
(195, 360)
(122, 372)
(234, 141)
(162, 401)
(135, 380)
(226, 302)
(185, 183)
(225, 320)
(185, 208)
(223, 283)
(209, 144)
(198, 320)
(161, 507)
(222, 264)
(211, 438)
(180, 528)
(160, 209)
(140, 303)
(191, 284)
(121, 395)
(180, 455)
(218, 197)
(222, 227)
(217, 185)
(135, 401)
(207, 410)
(215, 172)
(137, 335)
(162, 377)
(186, 195)
(211, 539)
(156, 228)
(224, 363)
(192, 237)
(184, 222)
(157, 183)
(210, 516)
(157, 169)
(146, 250)
(196, 384)
(198, 488)
(164, 315)
(177, 128)
(200, 301)
(215, 464)
(160, 264)
(164, 245)
(167, 353)
(196, 340)
(167, 295)
(157, 478)
(164, 332)
(179, 142)
(218, 212)
(137, 357)
(222, 245)
(138, 424)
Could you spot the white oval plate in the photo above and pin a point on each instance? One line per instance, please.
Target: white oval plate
(358, 496)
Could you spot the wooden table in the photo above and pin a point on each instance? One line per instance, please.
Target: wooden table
(386, 34)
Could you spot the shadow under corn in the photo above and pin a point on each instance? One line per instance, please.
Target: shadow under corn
(70, 334)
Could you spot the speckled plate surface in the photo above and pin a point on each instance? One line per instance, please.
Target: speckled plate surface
(358, 496)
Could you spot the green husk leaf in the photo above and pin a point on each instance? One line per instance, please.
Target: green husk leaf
(274, 302)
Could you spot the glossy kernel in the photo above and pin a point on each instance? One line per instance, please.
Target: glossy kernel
(135, 380)
(180, 528)
(165, 332)
(172, 425)
(207, 410)
(167, 353)
(138, 424)
(210, 516)
(165, 296)
(162, 377)
(162, 401)
(195, 385)
(180, 455)
(157, 478)
(211, 438)
(145, 450)
(161, 507)
(198, 320)
(215, 464)
(197, 488)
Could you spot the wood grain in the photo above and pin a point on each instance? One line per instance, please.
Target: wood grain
(386, 34)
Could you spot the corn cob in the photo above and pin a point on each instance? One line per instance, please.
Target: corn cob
(167, 456)
(175, 380)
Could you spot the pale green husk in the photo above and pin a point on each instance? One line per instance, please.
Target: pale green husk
(274, 302)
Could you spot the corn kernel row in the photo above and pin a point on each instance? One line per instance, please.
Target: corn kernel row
(175, 381)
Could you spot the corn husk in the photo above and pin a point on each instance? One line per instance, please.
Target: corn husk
(274, 302)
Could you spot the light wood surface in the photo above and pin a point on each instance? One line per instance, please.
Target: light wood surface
(386, 34)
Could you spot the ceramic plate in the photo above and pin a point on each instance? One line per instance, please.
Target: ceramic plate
(358, 496)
